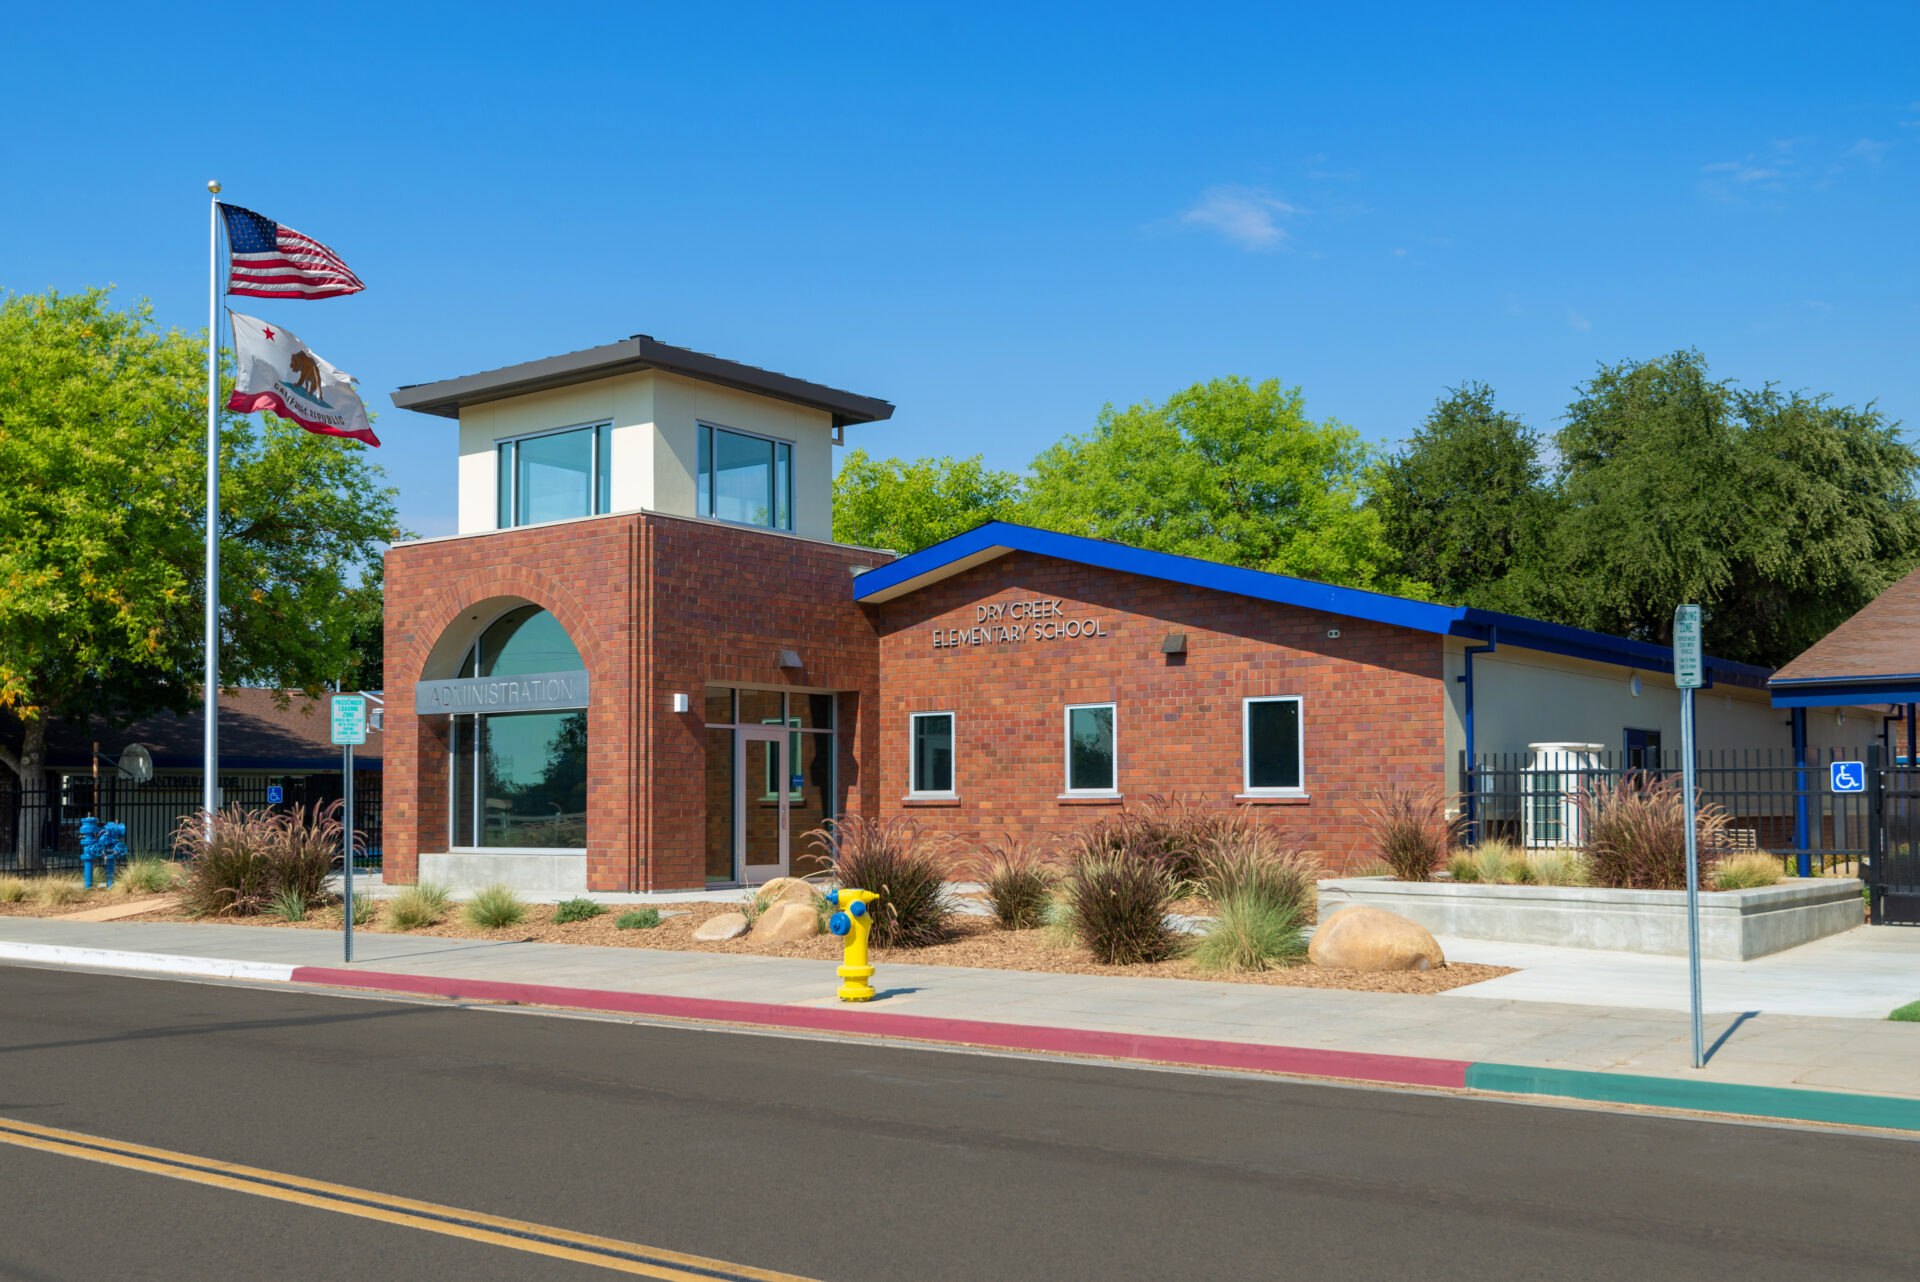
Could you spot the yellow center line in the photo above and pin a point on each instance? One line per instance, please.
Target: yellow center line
(475, 1226)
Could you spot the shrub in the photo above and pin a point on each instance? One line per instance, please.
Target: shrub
(145, 876)
(1908, 1014)
(1252, 933)
(14, 890)
(899, 863)
(569, 911)
(1462, 866)
(252, 855)
(637, 919)
(1557, 867)
(288, 904)
(1116, 905)
(1244, 857)
(1167, 830)
(1410, 830)
(1019, 884)
(362, 909)
(417, 905)
(1636, 831)
(57, 892)
(495, 906)
(1748, 870)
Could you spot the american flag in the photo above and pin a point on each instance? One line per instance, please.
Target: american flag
(269, 260)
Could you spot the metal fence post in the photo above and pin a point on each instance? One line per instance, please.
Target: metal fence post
(1876, 794)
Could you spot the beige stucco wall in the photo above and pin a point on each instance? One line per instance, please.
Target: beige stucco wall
(654, 443)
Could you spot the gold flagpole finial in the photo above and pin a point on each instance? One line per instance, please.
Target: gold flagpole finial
(214, 187)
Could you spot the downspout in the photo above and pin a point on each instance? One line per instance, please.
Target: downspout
(1800, 792)
(1910, 737)
(1469, 780)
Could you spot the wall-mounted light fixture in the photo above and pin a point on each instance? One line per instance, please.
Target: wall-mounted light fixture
(790, 659)
(1333, 634)
(682, 703)
(1633, 684)
(1175, 643)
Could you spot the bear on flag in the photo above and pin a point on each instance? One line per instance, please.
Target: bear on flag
(278, 372)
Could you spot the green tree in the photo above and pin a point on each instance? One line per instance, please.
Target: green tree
(1780, 514)
(102, 519)
(1466, 503)
(888, 503)
(1227, 470)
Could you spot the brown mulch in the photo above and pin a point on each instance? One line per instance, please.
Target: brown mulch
(97, 899)
(975, 941)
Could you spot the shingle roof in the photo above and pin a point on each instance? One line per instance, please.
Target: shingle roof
(254, 735)
(1875, 654)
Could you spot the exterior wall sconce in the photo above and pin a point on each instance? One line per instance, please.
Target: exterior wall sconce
(1633, 684)
(1175, 643)
(682, 703)
(790, 659)
(1333, 634)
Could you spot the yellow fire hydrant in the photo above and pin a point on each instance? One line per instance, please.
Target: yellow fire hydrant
(853, 921)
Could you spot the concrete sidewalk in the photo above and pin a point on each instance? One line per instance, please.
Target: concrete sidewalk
(1765, 1050)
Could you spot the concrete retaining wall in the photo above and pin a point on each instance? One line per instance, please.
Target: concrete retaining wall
(1734, 924)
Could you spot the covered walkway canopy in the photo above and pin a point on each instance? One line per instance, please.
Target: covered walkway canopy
(1874, 657)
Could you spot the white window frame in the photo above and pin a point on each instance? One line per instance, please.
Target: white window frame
(1066, 751)
(600, 477)
(1246, 745)
(914, 791)
(708, 425)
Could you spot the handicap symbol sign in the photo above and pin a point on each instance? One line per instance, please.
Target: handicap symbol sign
(275, 794)
(1849, 776)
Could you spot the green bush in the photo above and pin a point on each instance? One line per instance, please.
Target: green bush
(899, 863)
(1636, 832)
(1908, 1014)
(145, 875)
(362, 909)
(569, 911)
(1410, 830)
(418, 905)
(637, 919)
(1748, 870)
(494, 907)
(1116, 903)
(1019, 884)
(1251, 933)
(288, 904)
(1245, 857)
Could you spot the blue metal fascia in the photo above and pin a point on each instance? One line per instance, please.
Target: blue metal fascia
(1355, 603)
(1845, 694)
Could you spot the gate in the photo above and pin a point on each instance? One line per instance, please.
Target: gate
(1893, 840)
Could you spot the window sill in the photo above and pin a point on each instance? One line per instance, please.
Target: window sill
(1091, 798)
(1274, 798)
(931, 799)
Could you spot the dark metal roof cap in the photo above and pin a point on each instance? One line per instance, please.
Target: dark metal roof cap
(641, 352)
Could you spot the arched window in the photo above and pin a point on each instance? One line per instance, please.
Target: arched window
(519, 779)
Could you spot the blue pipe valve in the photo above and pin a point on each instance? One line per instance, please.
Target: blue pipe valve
(104, 842)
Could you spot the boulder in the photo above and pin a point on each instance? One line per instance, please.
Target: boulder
(1359, 937)
(785, 922)
(725, 926)
(786, 890)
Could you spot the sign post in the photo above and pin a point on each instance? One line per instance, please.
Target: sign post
(349, 728)
(1689, 673)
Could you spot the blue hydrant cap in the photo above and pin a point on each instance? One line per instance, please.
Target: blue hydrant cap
(858, 909)
(840, 923)
(833, 896)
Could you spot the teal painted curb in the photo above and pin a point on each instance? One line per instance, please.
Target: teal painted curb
(1703, 1096)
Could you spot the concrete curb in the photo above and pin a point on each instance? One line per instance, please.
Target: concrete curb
(1773, 1102)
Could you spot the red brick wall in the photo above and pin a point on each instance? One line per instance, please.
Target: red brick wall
(1373, 700)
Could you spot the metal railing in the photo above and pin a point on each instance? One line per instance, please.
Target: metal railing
(1773, 802)
(151, 811)
(1893, 855)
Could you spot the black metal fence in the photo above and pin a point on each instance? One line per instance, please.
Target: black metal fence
(1893, 851)
(151, 811)
(1773, 802)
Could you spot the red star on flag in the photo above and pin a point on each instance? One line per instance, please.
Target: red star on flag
(267, 332)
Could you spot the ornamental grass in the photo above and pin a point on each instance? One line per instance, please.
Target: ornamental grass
(418, 905)
(1019, 883)
(1118, 888)
(249, 856)
(1748, 870)
(1243, 857)
(146, 875)
(1636, 834)
(902, 864)
(495, 906)
(1411, 829)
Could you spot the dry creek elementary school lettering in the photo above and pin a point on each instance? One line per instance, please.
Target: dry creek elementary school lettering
(643, 664)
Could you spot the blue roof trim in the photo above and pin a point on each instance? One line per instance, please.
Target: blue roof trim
(1354, 603)
(1845, 694)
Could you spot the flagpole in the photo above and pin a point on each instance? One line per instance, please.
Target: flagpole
(210, 710)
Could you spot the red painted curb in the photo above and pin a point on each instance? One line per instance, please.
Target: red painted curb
(1402, 1070)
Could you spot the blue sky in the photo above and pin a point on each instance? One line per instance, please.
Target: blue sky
(1001, 218)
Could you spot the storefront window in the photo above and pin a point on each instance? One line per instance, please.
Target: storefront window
(1091, 757)
(932, 753)
(745, 479)
(1272, 745)
(554, 476)
(519, 780)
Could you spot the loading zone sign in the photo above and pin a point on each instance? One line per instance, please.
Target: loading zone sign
(349, 718)
(1849, 776)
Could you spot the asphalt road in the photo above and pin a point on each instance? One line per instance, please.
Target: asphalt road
(843, 1161)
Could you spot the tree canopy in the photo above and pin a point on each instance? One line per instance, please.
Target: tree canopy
(888, 503)
(1228, 470)
(102, 520)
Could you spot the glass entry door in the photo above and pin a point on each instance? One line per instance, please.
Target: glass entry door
(762, 796)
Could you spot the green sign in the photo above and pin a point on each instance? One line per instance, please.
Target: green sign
(350, 718)
(1689, 667)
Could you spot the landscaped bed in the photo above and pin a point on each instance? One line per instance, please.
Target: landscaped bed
(976, 941)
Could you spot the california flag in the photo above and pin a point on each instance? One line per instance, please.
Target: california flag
(278, 372)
